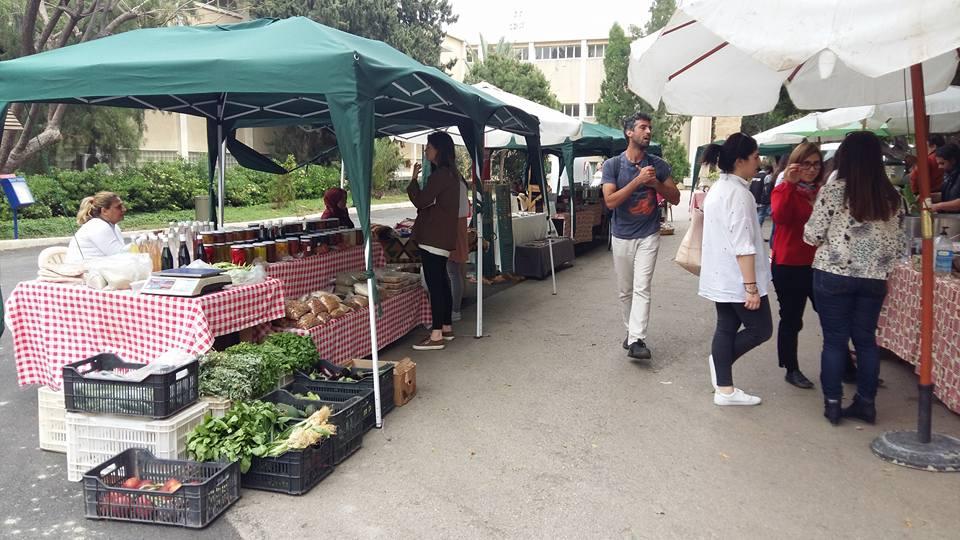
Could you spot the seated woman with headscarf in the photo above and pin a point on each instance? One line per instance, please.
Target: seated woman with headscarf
(335, 200)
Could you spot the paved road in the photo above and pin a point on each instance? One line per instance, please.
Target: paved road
(545, 430)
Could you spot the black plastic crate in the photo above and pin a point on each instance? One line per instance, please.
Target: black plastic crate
(294, 473)
(331, 391)
(159, 395)
(346, 415)
(364, 379)
(208, 490)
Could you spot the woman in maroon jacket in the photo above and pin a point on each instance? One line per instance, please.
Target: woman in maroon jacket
(791, 258)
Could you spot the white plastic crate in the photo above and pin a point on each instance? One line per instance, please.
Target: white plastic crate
(218, 406)
(50, 418)
(95, 438)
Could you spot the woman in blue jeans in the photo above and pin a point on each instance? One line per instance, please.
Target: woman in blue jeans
(855, 226)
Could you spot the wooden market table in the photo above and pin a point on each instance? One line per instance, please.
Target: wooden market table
(55, 324)
(899, 328)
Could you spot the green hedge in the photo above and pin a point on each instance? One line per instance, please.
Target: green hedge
(160, 186)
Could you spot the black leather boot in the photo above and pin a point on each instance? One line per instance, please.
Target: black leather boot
(861, 409)
(831, 410)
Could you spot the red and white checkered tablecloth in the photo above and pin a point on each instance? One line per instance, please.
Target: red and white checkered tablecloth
(310, 274)
(899, 328)
(55, 324)
(348, 337)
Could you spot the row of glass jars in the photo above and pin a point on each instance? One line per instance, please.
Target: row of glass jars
(282, 248)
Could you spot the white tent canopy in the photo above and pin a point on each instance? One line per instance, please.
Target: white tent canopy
(555, 127)
(712, 60)
(943, 109)
(789, 133)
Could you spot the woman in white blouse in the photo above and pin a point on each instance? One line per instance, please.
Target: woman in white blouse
(99, 235)
(735, 268)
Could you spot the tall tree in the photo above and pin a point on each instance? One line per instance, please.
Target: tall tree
(616, 100)
(660, 13)
(508, 73)
(36, 26)
(414, 27)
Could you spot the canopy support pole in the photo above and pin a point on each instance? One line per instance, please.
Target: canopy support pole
(921, 449)
(478, 197)
(375, 354)
(221, 176)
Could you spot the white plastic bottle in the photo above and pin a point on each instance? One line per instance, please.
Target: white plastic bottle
(943, 253)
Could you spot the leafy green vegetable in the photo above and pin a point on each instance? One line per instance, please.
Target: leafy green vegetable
(299, 351)
(273, 363)
(247, 430)
(239, 373)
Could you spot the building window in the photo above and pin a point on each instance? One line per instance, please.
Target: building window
(522, 53)
(596, 51)
(570, 109)
(590, 110)
(557, 52)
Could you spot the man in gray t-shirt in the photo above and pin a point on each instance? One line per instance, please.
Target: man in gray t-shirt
(631, 183)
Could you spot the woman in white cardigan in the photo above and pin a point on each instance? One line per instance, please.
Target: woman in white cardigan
(99, 235)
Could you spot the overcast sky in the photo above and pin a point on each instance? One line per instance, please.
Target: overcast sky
(541, 20)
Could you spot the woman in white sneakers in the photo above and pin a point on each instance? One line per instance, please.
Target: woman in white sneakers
(735, 268)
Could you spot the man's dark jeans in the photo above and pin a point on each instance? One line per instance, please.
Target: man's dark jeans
(849, 309)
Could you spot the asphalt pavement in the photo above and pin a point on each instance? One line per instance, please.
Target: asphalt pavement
(544, 429)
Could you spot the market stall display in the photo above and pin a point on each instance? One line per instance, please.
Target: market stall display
(305, 275)
(899, 328)
(348, 336)
(588, 217)
(55, 324)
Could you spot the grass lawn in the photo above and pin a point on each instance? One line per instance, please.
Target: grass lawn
(64, 226)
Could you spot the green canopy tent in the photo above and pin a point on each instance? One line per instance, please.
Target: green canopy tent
(269, 72)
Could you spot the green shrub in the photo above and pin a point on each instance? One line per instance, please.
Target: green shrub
(246, 187)
(311, 181)
(281, 185)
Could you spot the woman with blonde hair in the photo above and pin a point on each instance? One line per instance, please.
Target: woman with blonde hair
(791, 258)
(99, 235)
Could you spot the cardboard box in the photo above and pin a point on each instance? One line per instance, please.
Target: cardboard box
(404, 378)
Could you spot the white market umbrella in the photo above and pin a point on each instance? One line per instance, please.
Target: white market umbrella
(711, 60)
(789, 133)
(943, 112)
(714, 59)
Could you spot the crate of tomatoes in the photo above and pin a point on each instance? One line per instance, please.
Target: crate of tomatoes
(136, 486)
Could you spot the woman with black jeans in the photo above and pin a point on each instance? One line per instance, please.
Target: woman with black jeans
(735, 271)
(856, 227)
(435, 232)
(791, 258)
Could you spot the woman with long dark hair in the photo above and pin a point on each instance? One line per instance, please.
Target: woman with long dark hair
(855, 226)
(435, 231)
(735, 270)
(791, 258)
